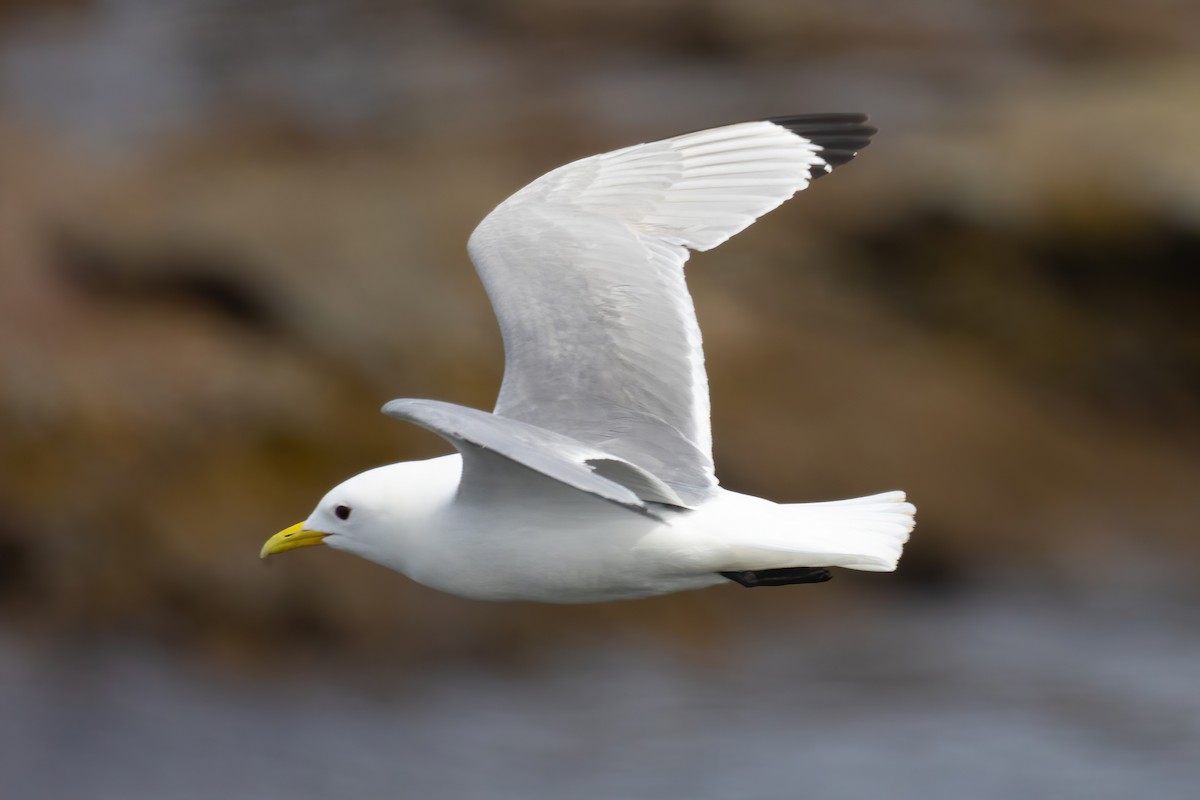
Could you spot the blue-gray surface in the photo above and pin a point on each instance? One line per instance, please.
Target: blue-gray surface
(984, 699)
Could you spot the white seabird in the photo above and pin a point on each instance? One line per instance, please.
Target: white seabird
(593, 478)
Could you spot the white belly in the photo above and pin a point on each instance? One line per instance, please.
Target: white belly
(571, 548)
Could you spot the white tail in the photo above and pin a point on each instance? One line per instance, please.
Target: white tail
(865, 533)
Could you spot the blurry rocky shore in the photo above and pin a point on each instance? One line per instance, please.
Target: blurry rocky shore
(229, 232)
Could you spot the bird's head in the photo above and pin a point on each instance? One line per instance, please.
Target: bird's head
(371, 514)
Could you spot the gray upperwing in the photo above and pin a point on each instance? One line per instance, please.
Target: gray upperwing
(584, 268)
(551, 454)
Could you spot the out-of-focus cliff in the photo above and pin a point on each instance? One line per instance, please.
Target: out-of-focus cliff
(229, 232)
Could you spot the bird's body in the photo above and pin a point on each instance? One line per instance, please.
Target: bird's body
(593, 478)
(551, 543)
(545, 541)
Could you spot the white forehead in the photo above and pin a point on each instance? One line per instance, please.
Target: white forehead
(394, 483)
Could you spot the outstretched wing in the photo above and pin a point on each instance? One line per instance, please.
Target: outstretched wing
(480, 437)
(584, 268)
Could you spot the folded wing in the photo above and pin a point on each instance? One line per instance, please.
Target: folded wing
(480, 437)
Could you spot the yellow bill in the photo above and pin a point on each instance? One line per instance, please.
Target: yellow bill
(290, 539)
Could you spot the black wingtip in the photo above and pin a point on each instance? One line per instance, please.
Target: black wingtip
(840, 136)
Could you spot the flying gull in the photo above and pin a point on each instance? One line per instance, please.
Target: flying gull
(592, 479)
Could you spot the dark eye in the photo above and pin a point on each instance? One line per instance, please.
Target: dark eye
(342, 512)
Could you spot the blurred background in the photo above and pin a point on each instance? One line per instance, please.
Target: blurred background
(230, 231)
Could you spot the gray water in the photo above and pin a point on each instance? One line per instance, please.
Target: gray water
(995, 697)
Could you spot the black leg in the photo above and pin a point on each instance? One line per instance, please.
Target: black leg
(779, 577)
